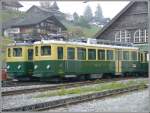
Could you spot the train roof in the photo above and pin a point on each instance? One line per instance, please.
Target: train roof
(20, 44)
(83, 44)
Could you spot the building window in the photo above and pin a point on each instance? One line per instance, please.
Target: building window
(122, 36)
(140, 36)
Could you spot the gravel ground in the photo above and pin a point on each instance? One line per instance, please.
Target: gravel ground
(129, 102)
(27, 99)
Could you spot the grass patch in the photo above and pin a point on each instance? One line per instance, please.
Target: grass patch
(91, 89)
(87, 32)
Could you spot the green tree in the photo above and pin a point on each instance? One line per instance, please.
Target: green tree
(88, 14)
(84, 22)
(98, 13)
(77, 32)
(76, 18)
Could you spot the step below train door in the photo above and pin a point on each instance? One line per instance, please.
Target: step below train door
(118, 61)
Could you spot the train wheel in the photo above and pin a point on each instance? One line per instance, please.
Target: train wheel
(107, 75)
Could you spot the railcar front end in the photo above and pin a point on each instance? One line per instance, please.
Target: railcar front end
(19, 61)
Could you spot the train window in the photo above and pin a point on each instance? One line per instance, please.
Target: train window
(60, 52)
(125, 55)
(36, 51)
(145, 57)
(17, 52)
(30, 54)
(81, 53)
(70, 53)
(92, 54)
(134, 55)
(109, 54)
(9, 52)
(45, 50)
(142, 57)
(139, 56)
(101, 54)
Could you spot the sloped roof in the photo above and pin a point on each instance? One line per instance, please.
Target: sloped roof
(46, 10)
(35, 19)
(9, 23)
(114, 19)
(32, 19)
(13, 3)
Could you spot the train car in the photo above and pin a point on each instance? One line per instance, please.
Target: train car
(19, 61)
(55, 60)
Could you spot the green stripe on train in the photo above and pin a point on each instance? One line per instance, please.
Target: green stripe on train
(60, 67)
(20, 69)
(134, 66)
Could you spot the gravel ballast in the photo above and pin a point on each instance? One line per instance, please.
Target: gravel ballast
(28, 99)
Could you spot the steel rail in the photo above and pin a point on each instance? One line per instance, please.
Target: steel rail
(75, 99)
(57, 87)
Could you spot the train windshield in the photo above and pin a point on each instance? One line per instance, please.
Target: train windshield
(45, 50)
(17, 52)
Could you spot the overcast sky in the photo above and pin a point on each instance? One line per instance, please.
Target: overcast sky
(110, 9)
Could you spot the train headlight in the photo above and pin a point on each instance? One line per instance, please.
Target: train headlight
(48, 66)
(8, 67)
(19, 67)
(134, 65)
(35, 67)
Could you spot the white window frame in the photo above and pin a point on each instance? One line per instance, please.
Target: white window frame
(124, 36)
(141, 38)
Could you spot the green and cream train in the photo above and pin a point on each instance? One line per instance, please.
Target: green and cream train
(56, 60)
(59, 59)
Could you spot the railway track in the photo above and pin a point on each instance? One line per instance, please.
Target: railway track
(10, 83)
(73, 100)
(56, 87)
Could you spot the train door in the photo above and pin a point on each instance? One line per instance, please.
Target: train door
(70, 62)
(118, 61)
